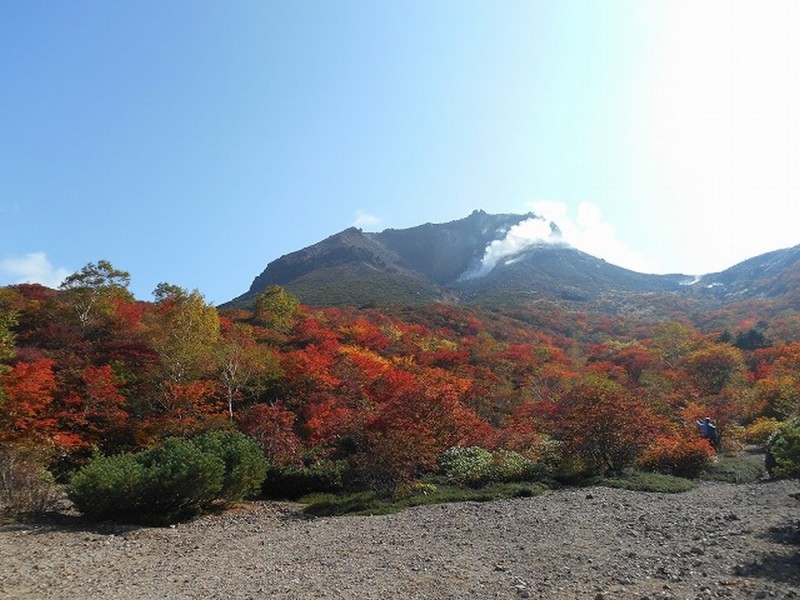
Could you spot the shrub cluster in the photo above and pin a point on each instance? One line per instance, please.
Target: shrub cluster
(475, 466)
(676, 456)
(26, 486)
(759, 431)
(783, 450)
(293, 481)
(170, 482)
(245, 463)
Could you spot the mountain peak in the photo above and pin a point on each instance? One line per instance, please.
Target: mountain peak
(506, 258)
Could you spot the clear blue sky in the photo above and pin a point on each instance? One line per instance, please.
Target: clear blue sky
(193, 142)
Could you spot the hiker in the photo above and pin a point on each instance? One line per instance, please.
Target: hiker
(708, 430)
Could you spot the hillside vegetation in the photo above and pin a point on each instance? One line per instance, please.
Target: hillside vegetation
(374, 398)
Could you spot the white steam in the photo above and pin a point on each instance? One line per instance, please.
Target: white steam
(590, 233)
(534, 231)
(552, 225)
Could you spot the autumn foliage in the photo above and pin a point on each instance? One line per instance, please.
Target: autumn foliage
(383, 391)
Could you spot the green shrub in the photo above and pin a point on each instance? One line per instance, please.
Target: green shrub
(180, 479)
(508, 466)
(108, 487)
(245, 463)
(503, 490)
(733, 469)
(171, 482)
(760, 430)
(783, 451)
(640, 481)
(475, 466)
(165, 484)
(372, 503)
(290, 481)
(468, 466)
(360, 503)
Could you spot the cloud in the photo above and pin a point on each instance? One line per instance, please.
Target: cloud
(590, 233)
(32, 268)
(365, 219)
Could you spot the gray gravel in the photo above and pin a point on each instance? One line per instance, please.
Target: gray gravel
(720, 540)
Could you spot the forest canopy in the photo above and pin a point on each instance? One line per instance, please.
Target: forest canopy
(384, 392)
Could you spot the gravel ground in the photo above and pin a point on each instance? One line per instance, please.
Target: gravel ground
(719, 540)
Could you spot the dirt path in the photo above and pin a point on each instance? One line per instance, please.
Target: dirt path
(720, 540)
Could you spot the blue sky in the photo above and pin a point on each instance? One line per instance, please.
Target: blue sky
(194, 142)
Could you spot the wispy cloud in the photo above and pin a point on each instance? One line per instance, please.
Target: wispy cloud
(363, 219)
(590, 233)
(33, 267)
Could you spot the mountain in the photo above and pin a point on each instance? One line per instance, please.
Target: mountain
(396, 265)
(493, 259)
(772, 275)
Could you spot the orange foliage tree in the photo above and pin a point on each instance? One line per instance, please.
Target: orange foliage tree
(419, 417)
(602, 424)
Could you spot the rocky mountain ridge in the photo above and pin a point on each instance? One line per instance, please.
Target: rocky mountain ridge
(485, 258)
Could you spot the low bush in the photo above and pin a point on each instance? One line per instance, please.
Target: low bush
(509, 466)
(760, 430)
(475, 466)
(245, 463)
(170, 482)
(109, 487)
(26, 486)
(672, 455)
(732, 439)
(292, 482)
(733, 469)
(639, 481)
(165, 484)
(468, 466)
(372, 503)
(783, 451)
(361, 503)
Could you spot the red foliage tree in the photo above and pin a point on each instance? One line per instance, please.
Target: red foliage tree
(602, 424)
(273, 428)
(25, 413)
(182, 409)
(94, 414)
(678, 452)
(419, 418)
(712, 367)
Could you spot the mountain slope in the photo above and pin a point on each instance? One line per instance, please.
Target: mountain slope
(773, 274)
(350, 267)
(394, 266)
(444, 252)
(481, 259)
(560, 272)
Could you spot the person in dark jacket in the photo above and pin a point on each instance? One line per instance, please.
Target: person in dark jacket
(709, 431)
